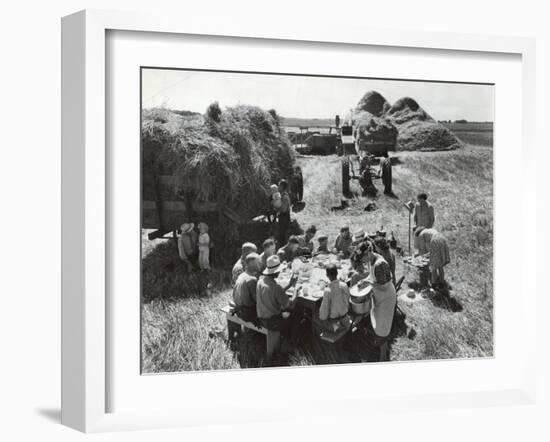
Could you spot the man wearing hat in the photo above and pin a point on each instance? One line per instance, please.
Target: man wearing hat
(187, 244)
(271, 298)
(358, 237)
(238, 268)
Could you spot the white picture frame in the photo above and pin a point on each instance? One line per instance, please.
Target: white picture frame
(85, 200)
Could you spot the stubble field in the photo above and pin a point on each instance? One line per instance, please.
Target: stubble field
(184, 331)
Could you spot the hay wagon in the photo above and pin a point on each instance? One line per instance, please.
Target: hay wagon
(359, 154)
(163, 210)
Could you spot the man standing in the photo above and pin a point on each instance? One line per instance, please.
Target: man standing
(423, 212)
(383, 249)
(386, 174)
(284, 212)
(384, 298)
(244, 291)
(433, 242)
(333, 313)
(187, 245)
(271, 298)
(238, 268)
(380, 270)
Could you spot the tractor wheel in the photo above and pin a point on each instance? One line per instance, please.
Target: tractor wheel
(345, 177)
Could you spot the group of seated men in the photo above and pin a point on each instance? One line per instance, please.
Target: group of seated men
(259, 298)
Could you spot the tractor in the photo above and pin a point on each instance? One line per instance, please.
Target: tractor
(364, 152)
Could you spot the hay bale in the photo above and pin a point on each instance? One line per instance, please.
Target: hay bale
(231, 160)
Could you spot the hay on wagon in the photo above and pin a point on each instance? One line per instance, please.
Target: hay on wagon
(228, 158)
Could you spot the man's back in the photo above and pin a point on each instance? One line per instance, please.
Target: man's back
(335, 302)
(244, 292)
(271, 300)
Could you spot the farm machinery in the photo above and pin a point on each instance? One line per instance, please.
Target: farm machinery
(359, 154)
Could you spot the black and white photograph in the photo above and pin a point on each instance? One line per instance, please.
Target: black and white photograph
(298, 220)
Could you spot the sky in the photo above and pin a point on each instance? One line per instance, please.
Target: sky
(308, 97)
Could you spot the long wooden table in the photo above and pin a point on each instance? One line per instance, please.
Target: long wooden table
(308, 289)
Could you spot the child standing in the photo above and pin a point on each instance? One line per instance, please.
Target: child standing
(276, 199)
(204, 247)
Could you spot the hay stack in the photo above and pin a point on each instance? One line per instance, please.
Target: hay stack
(231, 161)
(414, 128)
(373, 103)
(418, 130)
(375, 128)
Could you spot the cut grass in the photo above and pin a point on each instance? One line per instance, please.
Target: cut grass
(185, 332)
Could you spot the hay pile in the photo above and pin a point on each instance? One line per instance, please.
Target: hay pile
(374, 117)
(373, 103)
(231, 159)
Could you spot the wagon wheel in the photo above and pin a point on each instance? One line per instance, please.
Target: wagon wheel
(345, 177)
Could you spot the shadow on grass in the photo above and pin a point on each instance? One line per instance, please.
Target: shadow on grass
(306, 349)
(440, 298)
(164, 275)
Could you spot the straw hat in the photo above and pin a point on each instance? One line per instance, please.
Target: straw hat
(187, 227)
(359, 236)
(273, 265)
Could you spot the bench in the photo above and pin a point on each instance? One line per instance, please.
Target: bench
(235, 325)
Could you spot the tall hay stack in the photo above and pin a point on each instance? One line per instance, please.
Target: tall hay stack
(230, 163)
(406, 120)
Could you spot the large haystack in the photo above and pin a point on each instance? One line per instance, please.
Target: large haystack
(418, 130)
(230, 160)
(375, 119)
(373, 103)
